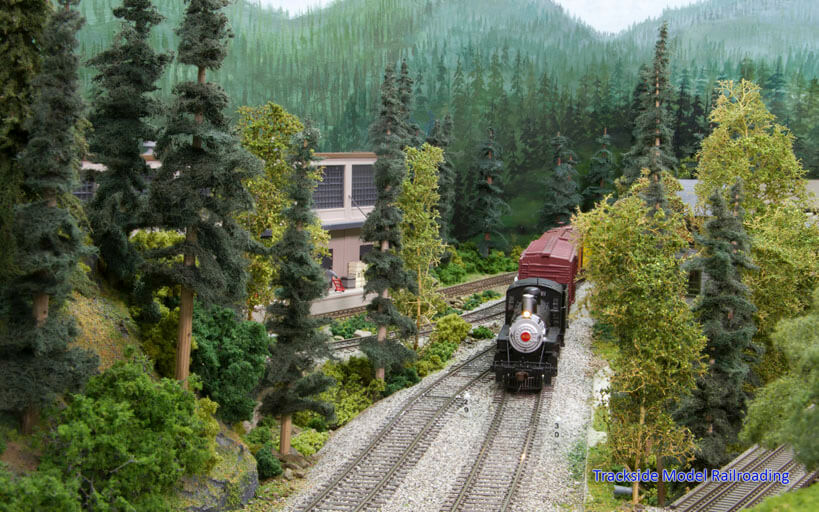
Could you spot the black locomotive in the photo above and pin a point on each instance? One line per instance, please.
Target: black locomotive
(529, 342)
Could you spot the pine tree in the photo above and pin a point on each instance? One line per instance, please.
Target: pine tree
(561, 187)
(385, 269)
(488, 205)
(652, 131)
(683, 141)
(412, 130)
(35, 361)
(200, 188)
(600, 173)
(290, 381)
(440, 137)
(715, 410)
(21, 24)
(121, 109)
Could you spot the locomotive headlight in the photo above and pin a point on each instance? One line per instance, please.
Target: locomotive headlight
(526, 314)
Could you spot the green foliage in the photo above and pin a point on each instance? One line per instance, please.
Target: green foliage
(561, 187)
(348, 326)
(405, 377)
(785, 410)
(354, 390)
(450, 273)
(476, 299)
(482, 333)
(36, 362)
(577, 459)
(130, 438)
(451, 329)
(792, 501)
(159, 341)
(715, 409)
(38, 491)
(122, 106)
(639, 294)
(267, 464)
(258, 437)
(748, 143)
(291, 383)
(488, 206)
(440, 136)
(309, 441)
(230, 359)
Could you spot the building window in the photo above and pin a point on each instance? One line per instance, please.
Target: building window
(364, 249)
(86, 191)
(330, 190)
(364, 192)
(694, 283)
(327, 261)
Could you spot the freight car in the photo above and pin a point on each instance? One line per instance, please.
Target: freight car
(537, 310)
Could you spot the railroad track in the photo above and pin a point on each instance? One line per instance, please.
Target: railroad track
(478, 316)
(713, 496)
(493, 479)
(369, 481)
(450, 291)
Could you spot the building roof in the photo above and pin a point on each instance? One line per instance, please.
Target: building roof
(689, 195)
(348, 156)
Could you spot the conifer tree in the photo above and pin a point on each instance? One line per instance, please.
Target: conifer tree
(600, 173)
(290, 382)
(684, 140)
(440, 137)
(561, 187)
(35, 361)
(200, 188)
(652, 147)
(121, 109)
(21, 24)
(488, 205)
(385, 269)
(716, 407)
(412, 130)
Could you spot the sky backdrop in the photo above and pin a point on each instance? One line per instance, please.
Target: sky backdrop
(604, 15)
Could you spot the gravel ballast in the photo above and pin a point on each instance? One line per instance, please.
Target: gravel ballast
(547, 482)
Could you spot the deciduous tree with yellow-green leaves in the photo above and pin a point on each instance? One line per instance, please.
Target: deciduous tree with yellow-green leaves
(421, 234)
(638, 290)
(266, 133)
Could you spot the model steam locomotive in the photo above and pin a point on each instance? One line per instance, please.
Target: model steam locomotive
(537, 310)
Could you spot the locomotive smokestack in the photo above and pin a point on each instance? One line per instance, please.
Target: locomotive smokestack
(528, 303)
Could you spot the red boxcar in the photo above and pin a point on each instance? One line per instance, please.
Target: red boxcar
(552, 256)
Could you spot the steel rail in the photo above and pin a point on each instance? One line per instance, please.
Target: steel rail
(394, 422)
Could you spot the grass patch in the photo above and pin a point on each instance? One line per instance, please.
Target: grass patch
(272, 494)
(802, 499)
(105, 326)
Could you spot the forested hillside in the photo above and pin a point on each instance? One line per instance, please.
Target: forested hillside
(523, 66)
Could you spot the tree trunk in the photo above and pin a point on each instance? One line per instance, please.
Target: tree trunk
(635, 487)
(30, 417)
(418, 309)
(183, 346)
(382, 329)
(284, 438)
(660, 482)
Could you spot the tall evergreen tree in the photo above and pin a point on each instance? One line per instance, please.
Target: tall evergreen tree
(413, 131)
(684, 141)
(290, 381)
(488, 205)
(200, 187)
(440, 137)
(121, 109)
(21, 25)
(715, 410)
(385, 269)
(652, 132)
(600, 173)
(35, 361)
(561, 187)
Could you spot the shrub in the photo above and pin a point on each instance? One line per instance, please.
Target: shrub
(258, 437)
(450, 273)
(310, 441)
(318, 423)
(130, 438)
(354, 391)
(41, 490)
(482, 333)
(230, 359)
(267, 464)
(348, 326)
(401, 378)
(159, 341)
(451, 328)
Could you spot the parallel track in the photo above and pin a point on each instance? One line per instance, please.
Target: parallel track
(712, 496)
(451, 291)
(368, 481)
(481, 315)
(493, 479)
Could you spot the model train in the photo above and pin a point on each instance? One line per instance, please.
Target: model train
(537, 310)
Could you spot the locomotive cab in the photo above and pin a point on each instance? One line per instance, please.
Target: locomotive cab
(529, 342)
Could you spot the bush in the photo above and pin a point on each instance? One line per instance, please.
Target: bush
(41, 490)
(130, 438)
(402, 378)
(450, 273)
(349, 326)
(159, 341)
(452, 329)
(267, 464)
(258, 437)
(308, 442)
(318, 423)
(230, 358)
(482, 333)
